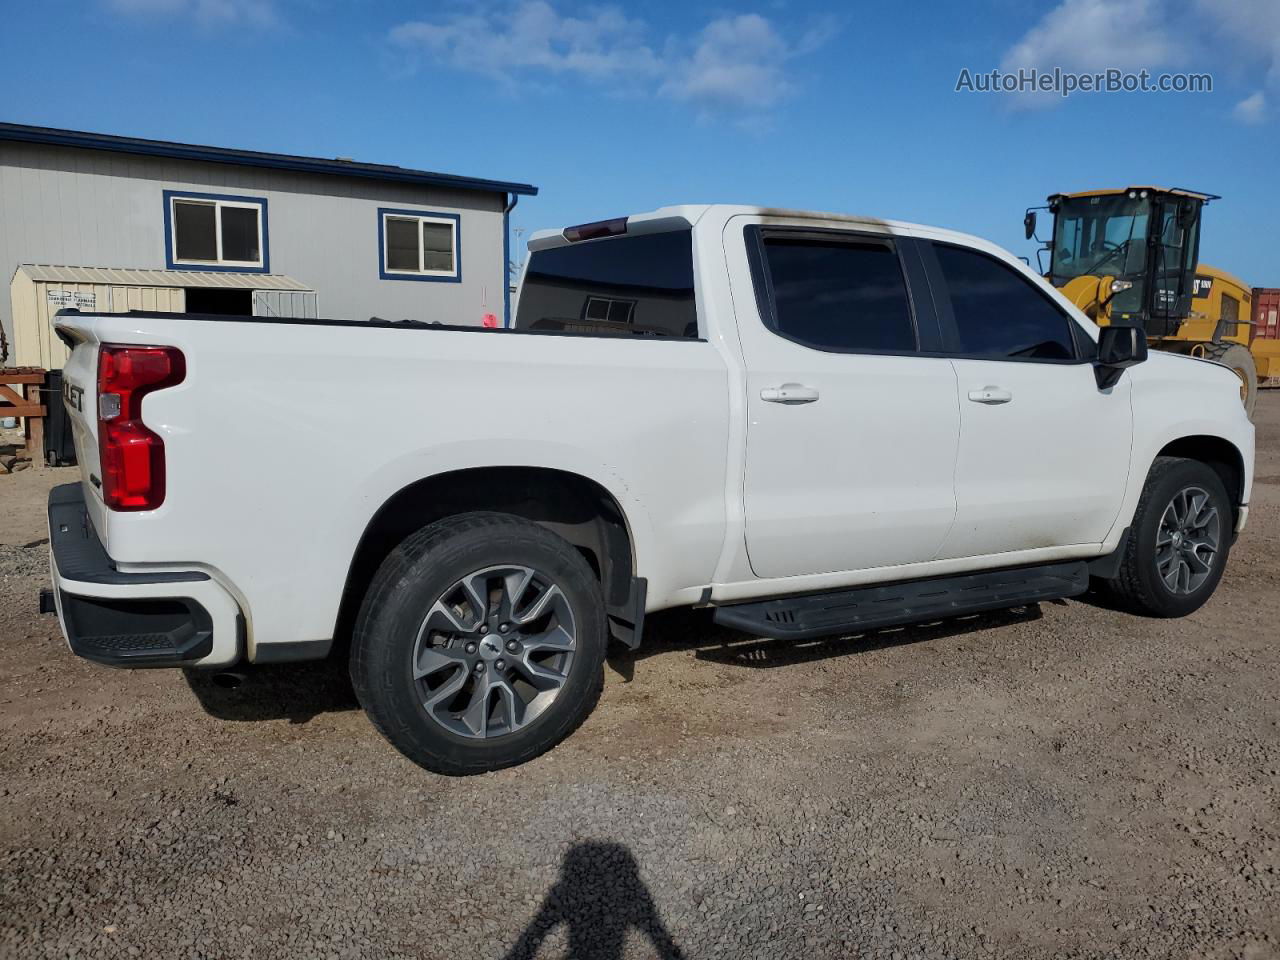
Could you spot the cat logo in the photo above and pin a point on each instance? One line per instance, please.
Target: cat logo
(1201, 286)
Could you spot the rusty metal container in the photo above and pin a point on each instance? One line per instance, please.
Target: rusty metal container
(1266, 313)
(1265, 346)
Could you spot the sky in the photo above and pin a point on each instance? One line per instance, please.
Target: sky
(614, 108)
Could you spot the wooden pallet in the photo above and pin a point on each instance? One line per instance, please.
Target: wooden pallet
(26, 404)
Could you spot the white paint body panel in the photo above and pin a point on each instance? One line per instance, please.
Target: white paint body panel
(1046, 468)
(285, 440)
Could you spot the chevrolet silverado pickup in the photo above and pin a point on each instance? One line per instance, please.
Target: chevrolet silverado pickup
(811, 423)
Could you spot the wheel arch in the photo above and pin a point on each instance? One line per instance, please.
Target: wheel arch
(1221, 455)
(576, 507)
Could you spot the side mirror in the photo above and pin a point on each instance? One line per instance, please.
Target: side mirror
(1029, 224)
(1119, 347)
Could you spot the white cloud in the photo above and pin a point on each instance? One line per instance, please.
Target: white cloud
(736, 63)
(1254, 24)
(1252, 109)
(1088, 35)
(739, 63)
(1252, 27)
(258, 13)
(1094, 35)
(534, 36)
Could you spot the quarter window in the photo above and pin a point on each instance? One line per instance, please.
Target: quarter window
(998, 312)
(418, 245)
(215, 231)
(839, 294)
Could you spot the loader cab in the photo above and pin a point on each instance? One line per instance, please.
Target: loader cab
(1141, 243)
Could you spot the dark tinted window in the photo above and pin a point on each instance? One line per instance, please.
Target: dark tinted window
(839, 294)
(195, 232)
(998, 312)
(402, 244)
(240, 234)
(621, 286)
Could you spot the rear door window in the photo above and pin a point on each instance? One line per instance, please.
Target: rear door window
(838, 293)
(636, 285)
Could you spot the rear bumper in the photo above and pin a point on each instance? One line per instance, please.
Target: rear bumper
(170, 618)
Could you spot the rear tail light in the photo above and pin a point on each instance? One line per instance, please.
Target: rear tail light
(132, 456)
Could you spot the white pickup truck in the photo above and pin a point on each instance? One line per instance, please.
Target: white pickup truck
(812, 423)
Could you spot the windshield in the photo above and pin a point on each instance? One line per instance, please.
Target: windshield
(1100, 236)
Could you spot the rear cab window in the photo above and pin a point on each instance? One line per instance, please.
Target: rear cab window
(633, 285)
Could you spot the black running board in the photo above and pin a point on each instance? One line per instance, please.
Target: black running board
(912, 601)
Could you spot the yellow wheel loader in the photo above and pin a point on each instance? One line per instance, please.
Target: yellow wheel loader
(1132, 256)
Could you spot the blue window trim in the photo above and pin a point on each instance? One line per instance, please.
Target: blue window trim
(455, 277)
(170, 263)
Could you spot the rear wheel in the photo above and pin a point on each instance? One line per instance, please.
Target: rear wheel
(480, 643)
(1240, 360)
(1178, 542)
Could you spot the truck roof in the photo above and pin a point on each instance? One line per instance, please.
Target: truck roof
(685, 215)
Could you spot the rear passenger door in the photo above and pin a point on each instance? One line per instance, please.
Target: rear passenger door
(851, 431)
(1044, 454)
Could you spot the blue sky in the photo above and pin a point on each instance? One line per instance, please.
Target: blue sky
(614, 108)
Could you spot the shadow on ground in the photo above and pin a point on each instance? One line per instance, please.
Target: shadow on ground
(296, 692)
(696, 630)
(598, 898)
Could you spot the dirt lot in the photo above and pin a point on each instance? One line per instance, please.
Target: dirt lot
(1057, 782)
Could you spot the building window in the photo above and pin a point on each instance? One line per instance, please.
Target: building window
(214, 232)
(610, 311)
(418, 245)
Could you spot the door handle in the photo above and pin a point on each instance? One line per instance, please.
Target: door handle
(789, 393)
(990, 395)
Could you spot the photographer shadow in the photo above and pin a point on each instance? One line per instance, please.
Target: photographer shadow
(598, 898)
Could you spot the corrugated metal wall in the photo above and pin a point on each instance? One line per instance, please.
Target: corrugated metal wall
(284, 303)
(34, 342)
(92, 208)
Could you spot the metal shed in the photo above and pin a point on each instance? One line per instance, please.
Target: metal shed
(39, 291)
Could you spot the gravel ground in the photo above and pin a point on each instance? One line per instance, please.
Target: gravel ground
(1060, 781)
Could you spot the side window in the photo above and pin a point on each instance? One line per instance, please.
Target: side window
(417, 245)
(842, 294)
(214, 232)
(998, 312)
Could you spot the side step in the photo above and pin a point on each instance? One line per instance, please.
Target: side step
(911, 601)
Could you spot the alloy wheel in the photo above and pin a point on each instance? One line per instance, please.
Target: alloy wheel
(1188, 541)
(494, 651)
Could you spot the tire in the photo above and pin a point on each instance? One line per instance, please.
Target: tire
(1240, 360)
(1139, 585)
(449, 696)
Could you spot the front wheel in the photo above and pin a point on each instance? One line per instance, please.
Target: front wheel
(480, 644)
(1178, 543)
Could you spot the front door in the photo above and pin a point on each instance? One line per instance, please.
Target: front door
(1044, 454)
(851, 433)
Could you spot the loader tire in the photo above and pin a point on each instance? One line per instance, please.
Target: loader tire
(1237, 357)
